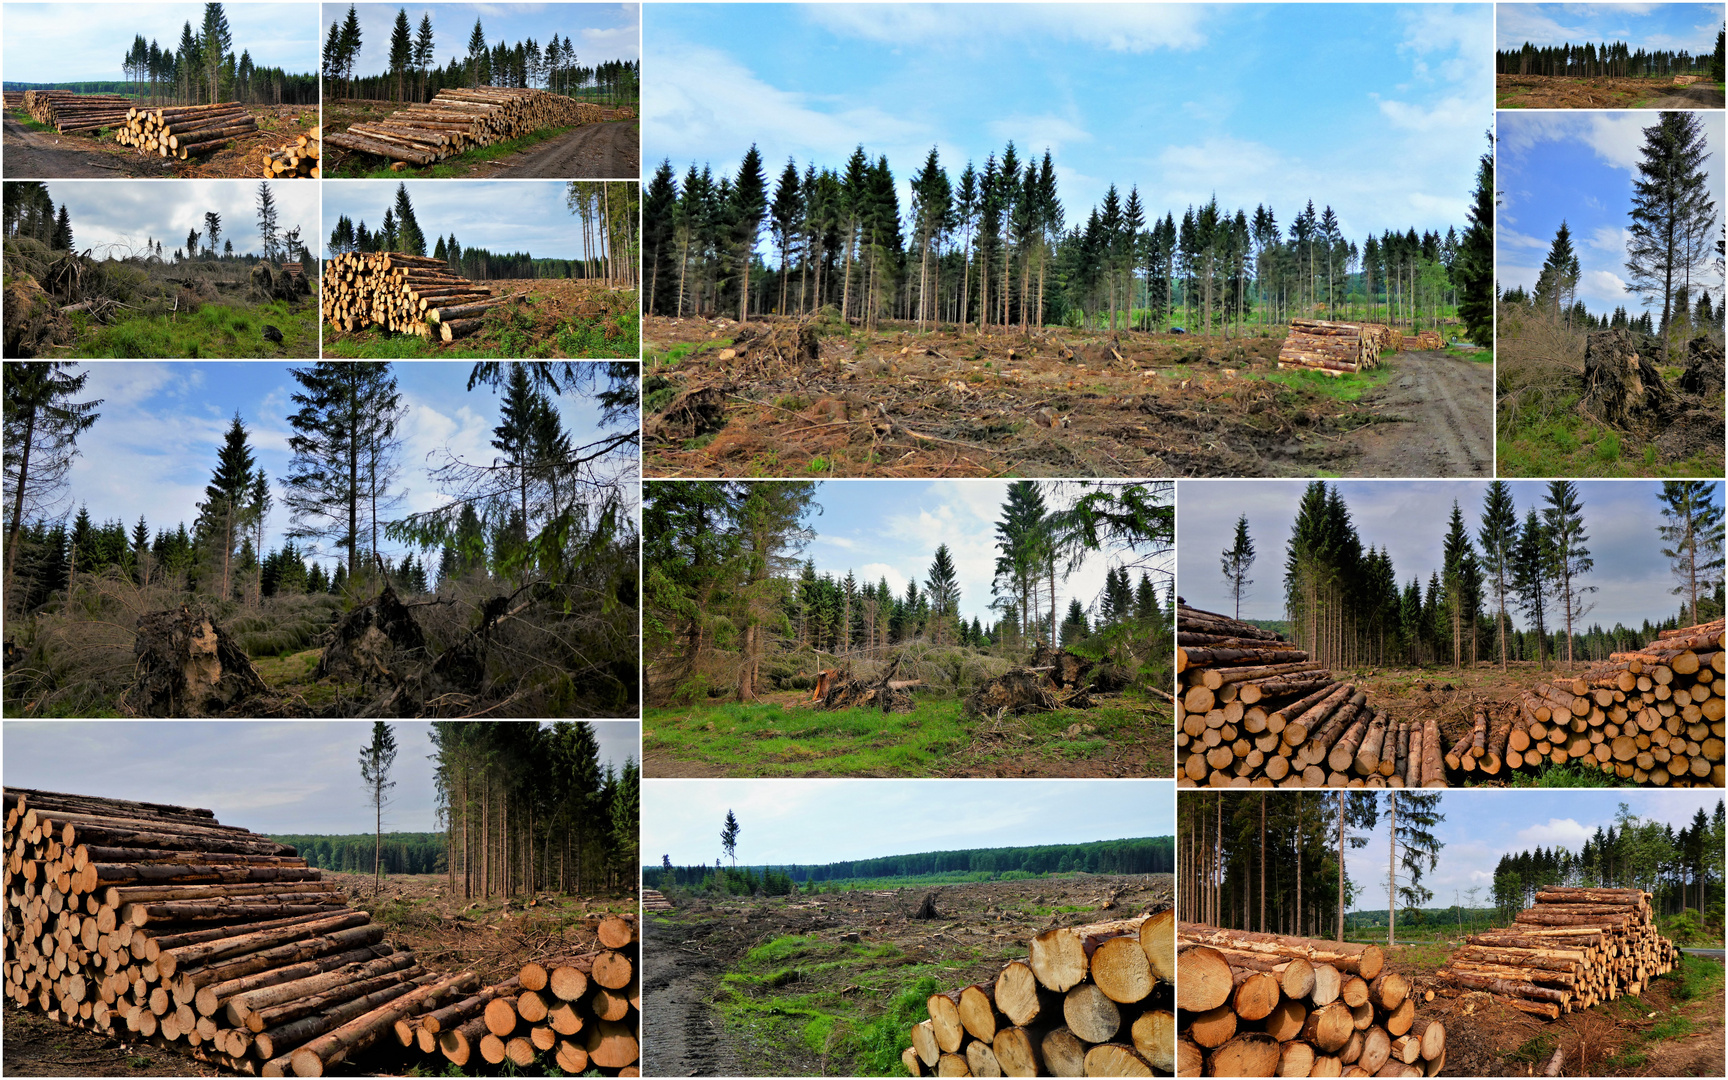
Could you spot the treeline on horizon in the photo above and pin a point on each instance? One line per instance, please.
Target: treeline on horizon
(1346, 607)
(414, 75)
(204, 70)
(993, 246)
(1143, 855)
(29, 213)
(402, 852)
(1615, 59)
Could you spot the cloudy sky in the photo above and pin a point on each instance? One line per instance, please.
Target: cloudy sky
(1182, 100)
(890, 528)
(1578, 167)
(1482, 825)
(166, 421)
(1409, 518)
(119, 216)
(80, 42)
(236, 767)
(1692, 27)
(810, 821)
(502, 216)
(598, 32)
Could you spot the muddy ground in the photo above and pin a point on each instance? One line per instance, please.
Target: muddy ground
(1052, 402)
(689, 951)
(608, 150)
(50, 156)
(1559, 92)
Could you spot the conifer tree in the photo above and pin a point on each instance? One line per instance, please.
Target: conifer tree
(337, 418)
(1692, 533)
(1670, 202)
(42, 425)
(225, 497)
(376, 760)
(1498, 535)
(943, 588)
(401, 51)
(1236, 560)
(1413, 846)
(749, 204)
(1531, 559)
(214, 41)
(1475, 265)
(1563, 522)
(272, 247)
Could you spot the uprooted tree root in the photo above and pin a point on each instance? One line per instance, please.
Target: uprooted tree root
(188, 666)
(1056, 679)
(885, 692)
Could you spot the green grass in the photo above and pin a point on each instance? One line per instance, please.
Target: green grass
(682, 350)
(1346, 387)
(32, 125)
(214, 330)
(1566, 444)
(505, 334)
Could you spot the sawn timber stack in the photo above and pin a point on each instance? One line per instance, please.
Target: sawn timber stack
(71, 113)
(184, 130)
(1268, 1005)
(1094, 1000)
(405, 294)
(1253, 710)
(458, 119)
(1573, 948)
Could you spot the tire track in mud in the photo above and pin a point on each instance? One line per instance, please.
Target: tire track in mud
(1441, 410)
(681, 1030)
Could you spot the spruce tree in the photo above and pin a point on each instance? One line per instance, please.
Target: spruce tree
(749, 204)
(1236, 560)
(1414, 847)
(336, 421)
(1563, 521)
(476, 52)
(272, 247)
(401, 51)
(42, 425)
(62, 231)
(943, 587)
(1692, 534)
(1475, 265)
(214, 41)
(1498, 535)
(1531, 559)
(226, 497)
(376, 760)
(1670, 202)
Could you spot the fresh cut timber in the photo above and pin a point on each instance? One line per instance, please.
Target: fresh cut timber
(458, 119)
(404, 294)
(1335, 348)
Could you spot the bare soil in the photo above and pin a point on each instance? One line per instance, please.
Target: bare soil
(1057, 402)
(687, 952)
(46, 155)
(606, 151)
(1561, 92)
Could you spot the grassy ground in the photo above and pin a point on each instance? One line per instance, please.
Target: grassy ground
(1564, 443)
(214, 330)
(1347, 387)
(33, 125)
(508, 332)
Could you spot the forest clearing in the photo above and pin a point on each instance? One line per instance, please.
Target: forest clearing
(394, 292)
(38, 150)
(125, 295)
(1656, 72)
(1602, 92)
(529, 610)
(759, 664)
(1599, 955)
(816, 397)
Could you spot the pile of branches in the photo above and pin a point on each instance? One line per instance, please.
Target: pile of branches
(1055, 679)
(886, 691)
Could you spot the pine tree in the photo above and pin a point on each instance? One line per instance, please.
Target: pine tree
(1670, 203)
(42, 425)
(1459, 561)
(141, 551)
(1692, 533)
(401, 51)
(62, 231)
(337, 419)
(409, 239)
(1563, 522)
(1475, 265)
(225, 497)
(476, 53)
(423, 50)
(1498, 535)
(266, 223)
(1531, 559)
(376, 759)
(1558, 279)
(214, 40)
(749, 204)
(1413, 845)
(1236, 560)
(729, 830)
(349, 48)
(1021, 539)
(943, 589)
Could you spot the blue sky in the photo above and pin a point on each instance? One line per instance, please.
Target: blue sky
(810, 821)
(1579, 167)
(165, 422)
(1692, 27)
(1409, 518)
(1184, 101)
(1482, 825)
(598, 32)
(76, 42)
(234, 767)
(891, 528)
(117, 217)
(536, 219)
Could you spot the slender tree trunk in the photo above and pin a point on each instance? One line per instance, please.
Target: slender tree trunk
(18, 499)
(1392, 871)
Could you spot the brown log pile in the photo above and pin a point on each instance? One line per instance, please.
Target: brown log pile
(1093, 1000)
(183, 130)
(1334, 348)
(1422, 340)
(71, 113)
(404, 294)
(1574, 948)
(458, 119)
(1252, 710)
(1652, 717)
(299, 158)
(1268, 1005)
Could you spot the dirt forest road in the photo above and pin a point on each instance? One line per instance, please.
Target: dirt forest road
(1690, 97)
(43, 155)
(684, 1036)
(1437, 419)
(607, 151)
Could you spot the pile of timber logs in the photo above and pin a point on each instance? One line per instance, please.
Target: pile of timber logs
(1267, 1005)
(12, 99)
(404, 294)
(1336, 348)
(1092, 1000)
(655, 900)
(76, 114)
(184, 130)
(1425, 340)
(156, 922)
(1654, 716)
(458, 119)
(1573, 949)
(1255, 711)
(299, 158)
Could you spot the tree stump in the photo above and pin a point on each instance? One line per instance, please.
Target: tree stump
(188, 666)
(1622, 388)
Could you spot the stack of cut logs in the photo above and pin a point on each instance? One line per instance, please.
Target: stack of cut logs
(1336, 348)
(12, 99)
(1267, 1005)
(1090, 1000)
(76, 114)
(1254, 711)
(405, 294)
(1423, 340)
(458, 119)
(157, 922)
(1654, 716)
(183, 130)
(1573, 949)
(299, 158)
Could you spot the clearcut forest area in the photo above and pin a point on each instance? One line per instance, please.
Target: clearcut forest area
(397, 291)
(80, 284)
(758, 664)
(326, 570)
(826, 970)
(1594, 955)
(1613, 392)
(1608, 75)
(1537, 652)
(984, 330)
(199, 108)
(522, 109)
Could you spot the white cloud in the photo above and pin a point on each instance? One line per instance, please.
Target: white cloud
(1603, 286)
(1508, 238)
(1566, 832)
(1038, 133)
(1609, 238)
(879, 571)
(1130, 28)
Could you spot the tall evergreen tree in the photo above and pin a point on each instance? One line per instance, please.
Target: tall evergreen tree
(1498, 535)
(214, 41)
(42, 425)
(337, 418)
(1563, 522)
(225, 498)
(1692, 534)
(1670, 202)
(376, 759)
(401, 51)
(749, 204)
(1475, 266)
(1236, 561)
(1022, 543)
(1531, 559)
(943, 589)
(1414, 847)
(272, 247)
